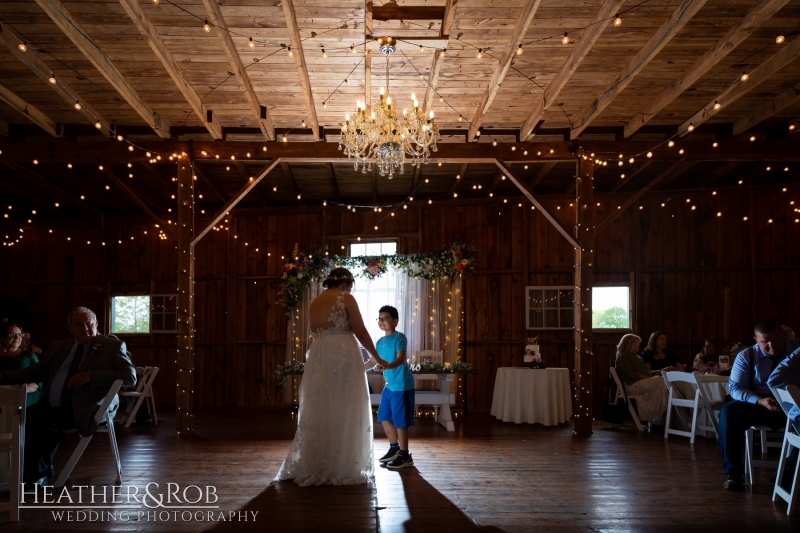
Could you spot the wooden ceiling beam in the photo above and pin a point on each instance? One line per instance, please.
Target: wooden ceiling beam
(80, 38)
(334, 183)
(300, 61)
(590, 35)
(677, 20)
(566, 233)
(31, 59)
(230, 204)
(509, 52)
(433, 80)
(630, 175)
(787, 98)
(246, 175)
(462, 171)
(448, 18)
(41, 181)
(260, 112)
(142, 205)
(159, 47)
(667, 174)
(30, 111)
(542, 171)
(287, 171)
(775, 63)
(735, 36)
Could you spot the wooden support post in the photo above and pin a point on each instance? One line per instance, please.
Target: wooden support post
(185, 355)
(584, 267)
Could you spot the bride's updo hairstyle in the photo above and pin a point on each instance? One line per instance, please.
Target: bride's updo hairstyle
(339, 278)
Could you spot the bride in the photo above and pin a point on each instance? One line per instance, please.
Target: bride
(333, 443)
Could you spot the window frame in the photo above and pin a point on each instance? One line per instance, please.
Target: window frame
(381, 240)
(528, 288)
(111, 314)
(631, 300)
(164, 331)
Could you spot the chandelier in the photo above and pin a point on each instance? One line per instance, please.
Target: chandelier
(381, 137)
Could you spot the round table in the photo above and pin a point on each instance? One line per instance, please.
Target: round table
(534, 396)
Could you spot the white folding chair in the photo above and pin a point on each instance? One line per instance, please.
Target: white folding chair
(13, 400)
(100, 418)
(622, 393)
(143, 393)
(678, 400)
(788, 398)
(705, 385)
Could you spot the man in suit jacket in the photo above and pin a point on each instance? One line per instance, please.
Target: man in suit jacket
(76, 375)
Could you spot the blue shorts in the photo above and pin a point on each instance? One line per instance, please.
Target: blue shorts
(397, 407)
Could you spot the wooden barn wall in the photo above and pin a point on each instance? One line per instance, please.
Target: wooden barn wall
(694, 275)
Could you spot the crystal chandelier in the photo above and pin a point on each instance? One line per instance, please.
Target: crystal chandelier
(381, 138)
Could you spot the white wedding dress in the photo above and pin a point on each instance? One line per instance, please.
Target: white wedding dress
(333, 443)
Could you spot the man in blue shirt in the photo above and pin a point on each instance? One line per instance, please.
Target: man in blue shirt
(753, 403)
(788, 373)
(396, 411)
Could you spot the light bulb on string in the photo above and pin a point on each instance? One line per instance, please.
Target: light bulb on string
(250, 43)
(618, 21)
(480, 53)
(52, 79)
(206, 27)
(324, 54)
(23, 47)
(565, 39)
(671, 144)
(519, 50)
(289, 51)
(98, 125)
(744, 76)
(77, 105)
(779, 39)
(353, 49)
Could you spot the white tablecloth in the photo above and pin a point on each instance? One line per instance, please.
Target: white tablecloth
(532, 396)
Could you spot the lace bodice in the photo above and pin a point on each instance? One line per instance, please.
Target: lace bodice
(338, 318)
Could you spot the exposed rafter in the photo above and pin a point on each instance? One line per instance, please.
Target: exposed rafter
(448, 18)
(788, 97)
(287, 171)
(44, 183)
(260, 112)
(630, 175)
(668, 174)
(300, 61)
(540, 174)
(80, 38)
(567, 234)
(509, 51)
(433, 79)
(735, 36)
(159, 47)
(31, 60)
(462, 171)
(740, 88)
(30, 111)
(582, 48)
(334, 183)
(230, 204)
(677, 20)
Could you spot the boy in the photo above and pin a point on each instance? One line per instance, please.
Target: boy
(396, 411)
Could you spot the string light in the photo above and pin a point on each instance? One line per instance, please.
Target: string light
(714, 144)
(206, 27)
(289, 51)
(52, 79)
(671, 144)
(618, 21)
(251, 44)
(98, 125)
(744, 76)
(690, 128)
(519, 50)
(23, 46)
(779, 39)
(324, 54)
(717, 106)
(77, 105)
(565, 39)
(480, 53)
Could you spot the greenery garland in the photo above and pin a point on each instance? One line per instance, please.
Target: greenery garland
(304, 267)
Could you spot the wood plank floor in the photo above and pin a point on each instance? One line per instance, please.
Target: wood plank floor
(487, 476)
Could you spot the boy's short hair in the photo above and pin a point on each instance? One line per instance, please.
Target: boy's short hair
(391, 310)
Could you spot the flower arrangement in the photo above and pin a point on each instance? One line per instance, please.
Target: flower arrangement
(304, 267)
(456, 366)
(288, 368)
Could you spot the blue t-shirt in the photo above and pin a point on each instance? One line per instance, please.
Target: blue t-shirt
(400, 378)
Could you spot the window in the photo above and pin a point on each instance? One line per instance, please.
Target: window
(144, 314)
(550, 307)
(130, 314)
(611, 306)
(373, 294)
(164, 313)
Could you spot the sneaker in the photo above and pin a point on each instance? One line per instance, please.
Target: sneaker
(391, 454)
(734, 482)
(401, 461)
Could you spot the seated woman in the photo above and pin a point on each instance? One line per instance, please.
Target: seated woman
(650, 391)
(708, 355)
(15, 354)
(656, 354)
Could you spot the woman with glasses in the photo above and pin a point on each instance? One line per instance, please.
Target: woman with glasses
(15, 354)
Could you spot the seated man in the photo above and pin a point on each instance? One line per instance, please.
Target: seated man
(788, 373)
(753, 403)
(76, 374)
